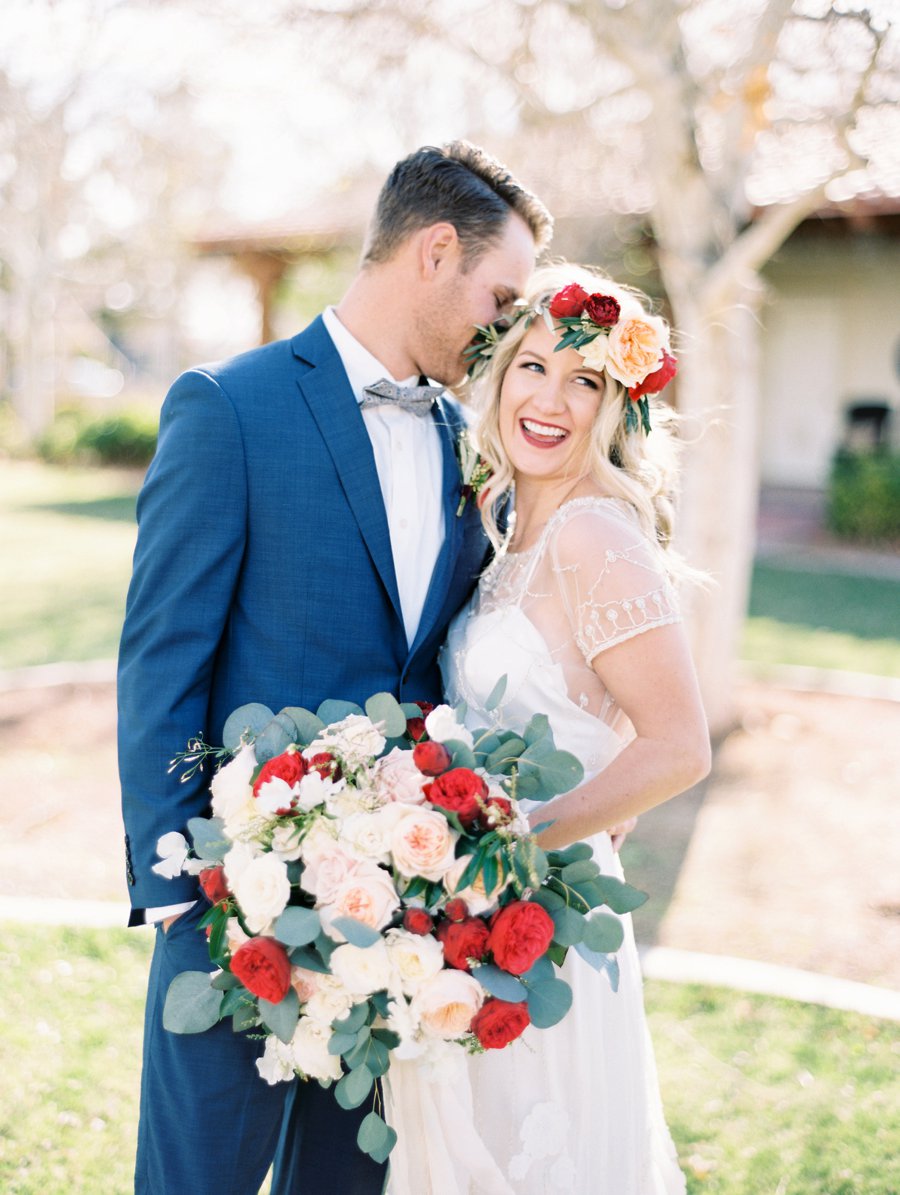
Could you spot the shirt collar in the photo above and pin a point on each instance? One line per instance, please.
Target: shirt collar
(361, 366)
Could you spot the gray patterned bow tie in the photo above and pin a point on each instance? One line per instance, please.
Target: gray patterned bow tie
(417, 399)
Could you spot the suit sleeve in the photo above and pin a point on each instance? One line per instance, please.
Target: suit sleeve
(192, 516)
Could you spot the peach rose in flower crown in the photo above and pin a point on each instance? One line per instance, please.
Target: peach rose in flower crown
(636, 346)
(423, 844)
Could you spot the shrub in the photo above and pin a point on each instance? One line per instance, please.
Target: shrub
(125, 437)
(864, 496)
(58, 445)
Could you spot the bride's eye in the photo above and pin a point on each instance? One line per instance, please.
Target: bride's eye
(591, 383)
(532, 365)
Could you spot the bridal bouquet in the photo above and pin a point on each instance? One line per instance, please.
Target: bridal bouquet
(376, 892)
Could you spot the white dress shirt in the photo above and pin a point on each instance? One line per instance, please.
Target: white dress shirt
(410, 466)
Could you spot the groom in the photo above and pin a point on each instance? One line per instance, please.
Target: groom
(298, 540)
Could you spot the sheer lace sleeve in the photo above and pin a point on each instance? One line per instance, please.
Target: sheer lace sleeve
(612, 580)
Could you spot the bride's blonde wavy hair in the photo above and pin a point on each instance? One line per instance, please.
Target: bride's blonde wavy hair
(638, 468)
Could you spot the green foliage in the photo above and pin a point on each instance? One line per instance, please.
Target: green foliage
(864, 496)
(124, 437)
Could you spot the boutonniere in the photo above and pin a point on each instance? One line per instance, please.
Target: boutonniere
(473, 470)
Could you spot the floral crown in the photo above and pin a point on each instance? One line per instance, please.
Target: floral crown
(632, 348)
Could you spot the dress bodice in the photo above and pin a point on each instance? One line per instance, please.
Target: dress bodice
(541, 617)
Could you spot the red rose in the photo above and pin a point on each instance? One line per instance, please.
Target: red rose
(463, 940)
(431, 758)
(498, 1022)
(263, 967)
(417, 921)
(568, 302)
(289, 767)
(499, 811)
(656, 381)
(458, 791)
(520, 934)
(456, 909)
(602, 310)
(415, 727)
(212, 881)
(326, 765)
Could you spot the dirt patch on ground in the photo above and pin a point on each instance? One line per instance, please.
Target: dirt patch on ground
(786, 855)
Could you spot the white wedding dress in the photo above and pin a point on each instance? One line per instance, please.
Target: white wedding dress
(575, 1108)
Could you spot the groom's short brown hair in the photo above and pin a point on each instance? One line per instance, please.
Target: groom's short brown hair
(461, 184)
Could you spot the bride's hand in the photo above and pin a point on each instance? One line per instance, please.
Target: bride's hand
(619, 833)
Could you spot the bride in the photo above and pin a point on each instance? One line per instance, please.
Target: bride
(578, 612)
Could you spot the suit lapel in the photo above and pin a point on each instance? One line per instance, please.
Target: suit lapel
(333, 406)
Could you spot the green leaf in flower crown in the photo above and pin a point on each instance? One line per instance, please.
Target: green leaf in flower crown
(500, 983)
(245, 724)
(579, 871)
(192, 1005)
(209, 838)
(605, 964)
(384, 710)
(496, 694)
(620, 897)
(353, 1088)
(461, 754)
(548, 1002)
(376, 1138)
(275, 738)
(297, 926)
(355, 932)
(603, 933)
(307, 724)
(281, 1018)
(332, 711)
(568, 926)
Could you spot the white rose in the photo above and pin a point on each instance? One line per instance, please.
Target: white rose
(445, 1004)
(277, 1063)
(320, 836)
(329, 1001)
(398, 779)
(362, 971)
(326, 866)
(442, 726)
(368, 834)
(230, 786)
(237, 860)
(368, 895)
(234, 935)
(354, 740)
(309, 1046)
(262, 890)
(286, 842)
(594, 354)
(423, 844)
(477, 900)
(415, 958)
(345, 802)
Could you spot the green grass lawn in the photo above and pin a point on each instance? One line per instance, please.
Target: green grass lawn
(66, 537)
(763, 1096)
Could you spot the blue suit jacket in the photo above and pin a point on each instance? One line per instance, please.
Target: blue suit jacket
(263, 572)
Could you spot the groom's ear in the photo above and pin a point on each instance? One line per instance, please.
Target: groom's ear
(438, 249)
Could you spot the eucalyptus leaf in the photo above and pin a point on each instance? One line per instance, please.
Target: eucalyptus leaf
(620, 897)
(281, 1018)
(603, 933)
(353, 1088)
(275, 738)
(298, 926)
(606, 964)
(340, 1043)
(461, 754)
(309, 960)
(224, 982)
(209, 838)
(537, 729)
(244, 724)
(307, 724)
(496, 694)
(568, 926)
(548, 1002)
(331, 711)
(550, 900)
(500, 983)
(245, 1016)
(355, 932)
(542, 969)
(353, 1021)
(235, 999)
(571, 854)
(384, 710)
(192, 1004)
(376, 1138)
(387, 1037)
(579, 871)
(503, 758)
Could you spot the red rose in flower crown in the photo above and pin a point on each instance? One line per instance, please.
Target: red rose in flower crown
(289, 767)
(463, 940)
(431, 758)
(458, 791)
(520, 934)
(498, 1022)
(569, 302)
(603, 310)
(656, 381)
(212, 881)
(263, 967)
(418, 921)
